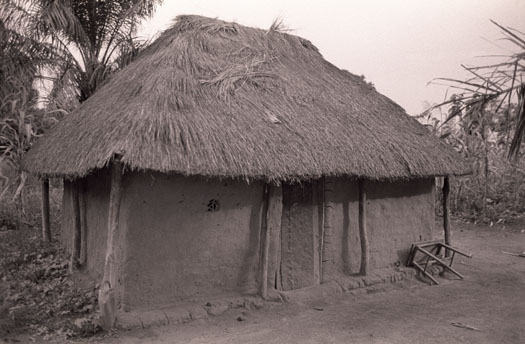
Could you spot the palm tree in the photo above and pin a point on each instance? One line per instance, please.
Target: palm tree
(497, 83)
(73, 46)
(91, 39)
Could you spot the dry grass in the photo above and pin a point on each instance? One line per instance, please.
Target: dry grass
(214, 98)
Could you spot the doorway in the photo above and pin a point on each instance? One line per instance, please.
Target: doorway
(299, 236)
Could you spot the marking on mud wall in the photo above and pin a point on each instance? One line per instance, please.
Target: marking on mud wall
(213, 205)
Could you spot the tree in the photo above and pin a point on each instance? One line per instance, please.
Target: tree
(91, 38)
(485, 122)
(73, 46)
(500, 83)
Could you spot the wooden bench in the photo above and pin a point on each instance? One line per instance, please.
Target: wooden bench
(432, 252)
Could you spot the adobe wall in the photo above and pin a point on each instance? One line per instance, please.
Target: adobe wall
(177, 248)
(96, 191)
(173, 248)
(345, 225)
(299, 256)
(95, 214)
(66, 221)
(397, 214)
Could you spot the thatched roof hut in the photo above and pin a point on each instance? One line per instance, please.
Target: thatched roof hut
(213, 98)
(211, 105)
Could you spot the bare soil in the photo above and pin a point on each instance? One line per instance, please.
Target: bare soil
(490, 303)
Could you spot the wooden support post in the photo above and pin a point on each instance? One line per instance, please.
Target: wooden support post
(83, 223)
(275, 211)
(363, 236)
(46, 227)
(77, 237)
(107, 299)
(327, 266)
(446, 221)
(265, 234)
(320, 227)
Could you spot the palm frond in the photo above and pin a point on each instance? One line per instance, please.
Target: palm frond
(494, 83)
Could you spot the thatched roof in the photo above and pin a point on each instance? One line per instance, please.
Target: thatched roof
(214, 98)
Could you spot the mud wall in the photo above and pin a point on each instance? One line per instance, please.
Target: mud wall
(67, 221)
(94, 211)
(398, 214)
(345, 242)
(299, 236)
(96, 190)
(183, 238)
(188, 237)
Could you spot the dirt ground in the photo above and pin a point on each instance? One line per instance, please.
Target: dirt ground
(491, 300)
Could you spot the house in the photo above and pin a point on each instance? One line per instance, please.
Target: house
(229, 159)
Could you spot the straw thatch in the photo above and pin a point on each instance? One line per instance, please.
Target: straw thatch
(219, 99)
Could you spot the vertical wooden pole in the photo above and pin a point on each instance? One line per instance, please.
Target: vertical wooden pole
(364, 269)
(106, 299)
(46, 227)
(275, 212)
(266, 242)
(320, 226)
(83, 223)
(446, 223)
(113, 214)
(327, 238)
(76, 242)
(315, 232)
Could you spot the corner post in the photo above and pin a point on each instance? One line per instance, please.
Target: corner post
(446, 221)
(107, 299)
(83, 223)
(46, 227)
(77, 230)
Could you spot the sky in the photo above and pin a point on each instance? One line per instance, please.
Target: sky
(399, 45)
